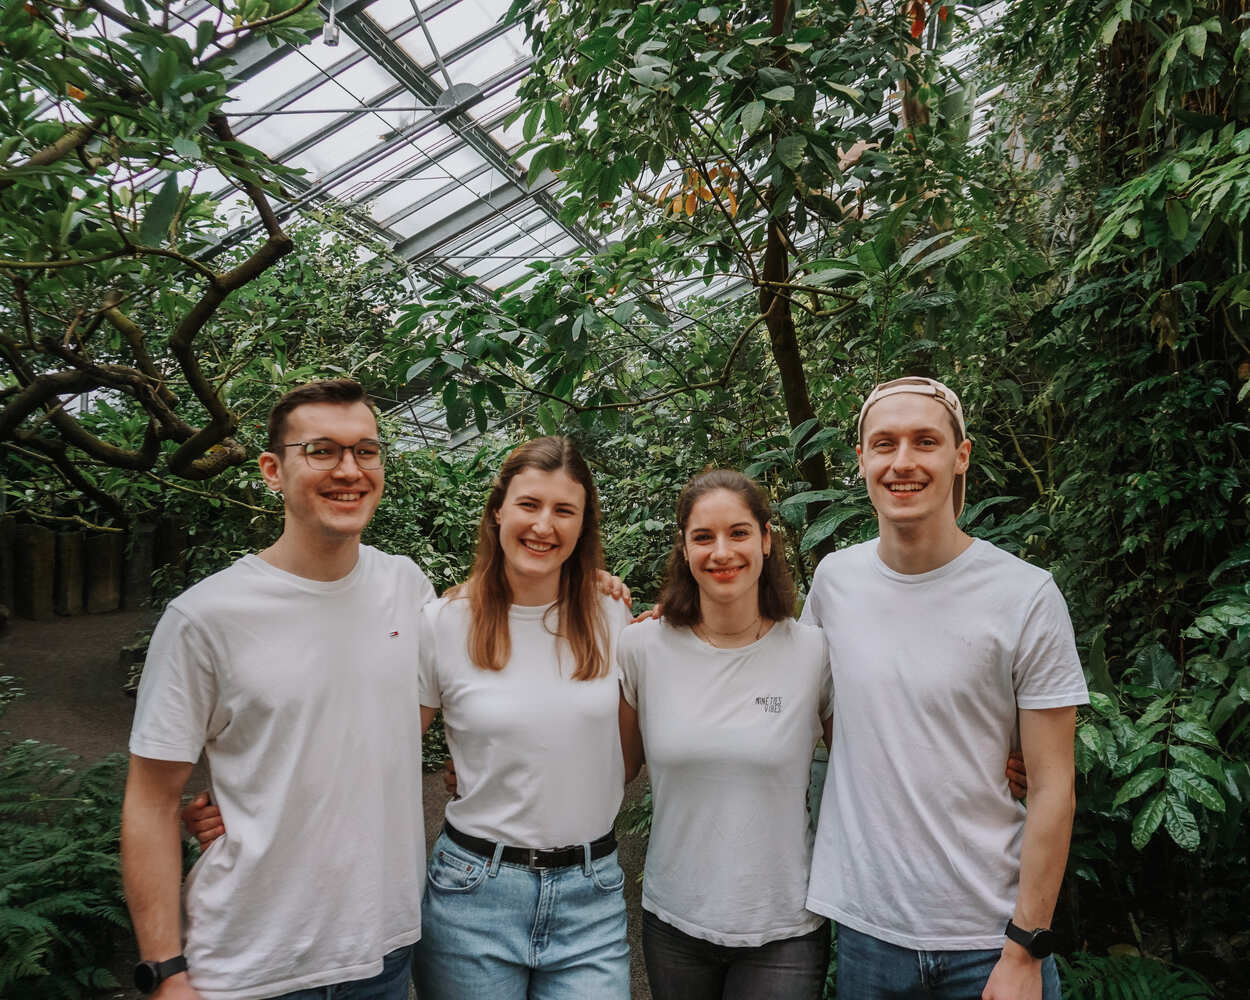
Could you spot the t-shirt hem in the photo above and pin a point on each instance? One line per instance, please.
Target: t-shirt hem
(312, 981)
(986, 942)
(1053, 700)
(733, 940)
(154, 750)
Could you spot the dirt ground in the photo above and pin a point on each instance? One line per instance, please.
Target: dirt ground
(70, 672)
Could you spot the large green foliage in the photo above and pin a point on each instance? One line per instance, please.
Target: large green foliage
(61, 908)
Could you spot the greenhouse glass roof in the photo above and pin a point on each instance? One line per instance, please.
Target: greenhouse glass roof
(397, 112)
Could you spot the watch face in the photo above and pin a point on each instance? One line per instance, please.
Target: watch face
(1043, 943)
(145, 977)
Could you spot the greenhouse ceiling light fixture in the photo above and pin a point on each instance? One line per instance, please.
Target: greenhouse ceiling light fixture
(330, 34)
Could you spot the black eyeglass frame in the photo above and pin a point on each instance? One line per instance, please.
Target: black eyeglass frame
(338, 459)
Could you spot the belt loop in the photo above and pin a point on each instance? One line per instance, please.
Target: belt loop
(493, 870)
(586, 859)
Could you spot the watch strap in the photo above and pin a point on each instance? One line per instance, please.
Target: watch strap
(160, 971)
(1028, 940)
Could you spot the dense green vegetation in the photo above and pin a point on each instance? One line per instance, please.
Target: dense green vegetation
(1071, 254)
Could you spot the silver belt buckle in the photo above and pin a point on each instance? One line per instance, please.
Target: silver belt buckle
(533, 858)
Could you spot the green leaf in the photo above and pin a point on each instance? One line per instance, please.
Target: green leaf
(548, 420)
(1198, 760)
(829, 521)
(785, 93)
(1192, 732)
(790, 150)
(942, 253)
(709, 14)
(752, 115)
(1157, 668)
(1197, 789)
(1096, 662)
(1137, 784)
(160, 213)
(418, 368)
(625, 312)
(1181, 825)
(185, 147)
(1148, 820)
(1178, 219)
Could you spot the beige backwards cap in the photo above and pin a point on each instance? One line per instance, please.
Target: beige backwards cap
(922, 386)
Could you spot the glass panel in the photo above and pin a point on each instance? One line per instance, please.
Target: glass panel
(482, 63)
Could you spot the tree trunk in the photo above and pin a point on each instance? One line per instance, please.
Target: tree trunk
(775, 306)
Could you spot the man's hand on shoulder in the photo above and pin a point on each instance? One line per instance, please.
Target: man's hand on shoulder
(1017, 976)
(614, 587)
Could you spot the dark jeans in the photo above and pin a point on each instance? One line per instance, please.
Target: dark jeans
(389, 984)
(872, 969)
(681, 967)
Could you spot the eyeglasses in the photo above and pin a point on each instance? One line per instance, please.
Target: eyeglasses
(325, 454)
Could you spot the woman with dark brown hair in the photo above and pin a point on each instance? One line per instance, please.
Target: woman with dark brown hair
(729, 695)
(524, 894)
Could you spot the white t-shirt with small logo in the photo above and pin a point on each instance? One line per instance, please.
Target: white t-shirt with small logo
(728, 736)
(538, 755)
(303, 696)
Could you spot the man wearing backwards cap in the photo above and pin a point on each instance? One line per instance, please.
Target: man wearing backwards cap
(946, 653)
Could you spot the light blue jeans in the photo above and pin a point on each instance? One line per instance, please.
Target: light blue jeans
(872, 969)
(506, 932)
(389, 984)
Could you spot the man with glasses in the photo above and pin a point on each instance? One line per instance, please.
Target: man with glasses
(294, 672)
(946, 651)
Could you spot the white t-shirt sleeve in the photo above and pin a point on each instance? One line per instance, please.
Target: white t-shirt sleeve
(177, 694)
(429, 687)
(627, 668)
(826, 690)
(1047, 670)
(812, 606)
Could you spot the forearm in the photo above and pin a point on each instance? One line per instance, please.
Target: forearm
(1044, 852)
(152, 870)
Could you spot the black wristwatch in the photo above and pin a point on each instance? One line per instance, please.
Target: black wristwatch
(150, 975)
(1038, 942)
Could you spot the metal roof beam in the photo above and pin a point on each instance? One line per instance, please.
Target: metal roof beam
(399, 64)
(352, 166)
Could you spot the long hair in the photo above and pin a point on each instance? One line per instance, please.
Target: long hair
(490, 595)
(680, 595)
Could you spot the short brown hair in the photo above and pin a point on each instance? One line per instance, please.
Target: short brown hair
(680, 595)
(330, 390)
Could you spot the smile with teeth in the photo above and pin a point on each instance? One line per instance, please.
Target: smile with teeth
(343, 496)
(905, 487)
(724, 572)
(538, 547)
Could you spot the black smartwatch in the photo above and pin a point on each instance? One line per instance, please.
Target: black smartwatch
(150, 975)
(1039, 942)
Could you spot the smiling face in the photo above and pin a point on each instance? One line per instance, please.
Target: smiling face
(540, 523)
(325, 505)
(725, 548)
(909, 460)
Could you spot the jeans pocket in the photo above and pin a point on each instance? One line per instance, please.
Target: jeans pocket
(453, 872)
(607, 873)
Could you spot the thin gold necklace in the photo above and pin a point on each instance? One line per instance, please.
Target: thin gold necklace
(758, 625)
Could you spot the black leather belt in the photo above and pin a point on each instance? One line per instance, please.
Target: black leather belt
(556, 857)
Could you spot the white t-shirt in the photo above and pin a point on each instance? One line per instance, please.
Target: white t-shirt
(919, 837)
(303, 696)
(538, 755)
(728, 735)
